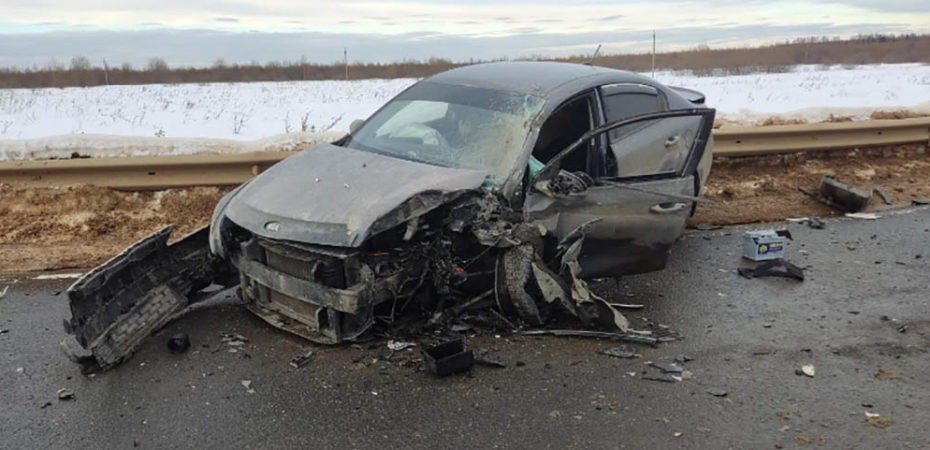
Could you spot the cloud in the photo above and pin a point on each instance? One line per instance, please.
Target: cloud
(202, 47)
(226, 20)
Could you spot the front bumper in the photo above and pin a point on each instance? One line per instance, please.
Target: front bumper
(323, 294)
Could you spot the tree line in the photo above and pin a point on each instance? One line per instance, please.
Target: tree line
(863, 49)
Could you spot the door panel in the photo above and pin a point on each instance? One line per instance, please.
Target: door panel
(632, 218)
(654, 147)
(631, 230)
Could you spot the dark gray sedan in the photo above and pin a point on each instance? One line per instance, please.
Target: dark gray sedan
(500, 186)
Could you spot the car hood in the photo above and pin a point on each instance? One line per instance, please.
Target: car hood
(330, 195)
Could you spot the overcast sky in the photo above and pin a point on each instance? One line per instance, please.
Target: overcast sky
(197, 32)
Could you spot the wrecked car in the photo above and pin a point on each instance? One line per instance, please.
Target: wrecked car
(503, 186)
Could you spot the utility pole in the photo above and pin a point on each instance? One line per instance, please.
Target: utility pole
(345, 58)
(653, 53)
(106, 72)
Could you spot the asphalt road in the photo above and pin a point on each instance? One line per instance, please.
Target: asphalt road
(867, 281)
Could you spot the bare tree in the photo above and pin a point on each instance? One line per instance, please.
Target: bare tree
(157, 65)
(80, 63)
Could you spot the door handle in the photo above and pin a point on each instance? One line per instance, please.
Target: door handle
(672, 141)
(667, 208)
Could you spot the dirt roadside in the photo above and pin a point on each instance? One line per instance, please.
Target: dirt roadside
(79, 227)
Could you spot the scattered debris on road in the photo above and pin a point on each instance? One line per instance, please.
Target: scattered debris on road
(667, 367)
(179, 343)
(247, 384)
(623, 351)
(302, 360)
(448, 358)
(717, 392)
(233, 340)
(813, 222)
(65, 394)
(877, 420)
(396, 346)
(630, 337)
(806, 370)
(773, 268)
(863, 216)
(483, 357)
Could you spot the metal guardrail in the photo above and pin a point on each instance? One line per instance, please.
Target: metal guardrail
(749, 141)
(141, 172)
(162, 172)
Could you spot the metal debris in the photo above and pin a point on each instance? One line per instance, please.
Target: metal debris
(884, 195)
(629, 337)
(233, 340)
(661, 377)
(179, 343)
(623, 351)
(302, 360)
(863, 216)
(483, 357)
(396, 346)
(448, 358)
(65, 394)
(667, 367)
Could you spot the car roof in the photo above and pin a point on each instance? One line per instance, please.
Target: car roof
(541, 78)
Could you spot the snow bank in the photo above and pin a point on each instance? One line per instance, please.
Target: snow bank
(101, 146)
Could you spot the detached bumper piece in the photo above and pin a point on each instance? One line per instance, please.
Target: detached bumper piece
(320, 293)
(120, 303)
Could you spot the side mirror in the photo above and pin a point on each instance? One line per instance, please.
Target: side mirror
(564, 183)
(355, 125)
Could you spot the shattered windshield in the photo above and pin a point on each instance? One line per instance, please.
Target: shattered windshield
(452, 126)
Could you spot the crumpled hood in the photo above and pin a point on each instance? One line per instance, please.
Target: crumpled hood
(332, 195)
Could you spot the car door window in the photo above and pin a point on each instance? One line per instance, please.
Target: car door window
(649, 147)
(658, 146)
(569, 122)
(622, 101)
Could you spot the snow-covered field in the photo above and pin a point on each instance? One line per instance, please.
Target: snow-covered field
(812, 92)
(252, 111)
(241, 111)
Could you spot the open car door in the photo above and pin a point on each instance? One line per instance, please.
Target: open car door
(631, 216)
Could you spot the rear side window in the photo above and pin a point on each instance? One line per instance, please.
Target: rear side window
(622, 101)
